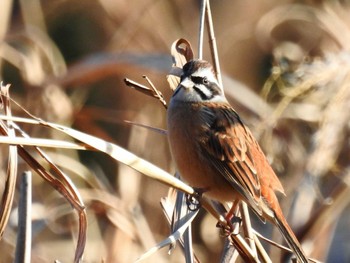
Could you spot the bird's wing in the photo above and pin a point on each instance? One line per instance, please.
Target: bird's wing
(234, 152)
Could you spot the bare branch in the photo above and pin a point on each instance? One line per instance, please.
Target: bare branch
(153, 92)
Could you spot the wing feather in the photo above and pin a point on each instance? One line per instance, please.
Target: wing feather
(228, 144)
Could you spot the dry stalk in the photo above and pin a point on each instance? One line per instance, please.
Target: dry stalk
(10, 185)
(24, 236)
(247, 227)
(212, 43)
(201, 28)
(153, 91)
(65, 187)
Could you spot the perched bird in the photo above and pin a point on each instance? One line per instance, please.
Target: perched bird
(216, 152)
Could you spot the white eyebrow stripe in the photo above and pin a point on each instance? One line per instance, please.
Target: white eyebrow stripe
(205, 72)
(201, 72)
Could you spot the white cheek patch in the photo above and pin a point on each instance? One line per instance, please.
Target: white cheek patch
(204, 90)
(187, 83)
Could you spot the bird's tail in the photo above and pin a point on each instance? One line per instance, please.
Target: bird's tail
(289, 236)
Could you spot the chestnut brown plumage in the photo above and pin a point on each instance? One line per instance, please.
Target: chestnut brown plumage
(216, 152)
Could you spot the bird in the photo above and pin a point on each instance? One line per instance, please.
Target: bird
(213, 150)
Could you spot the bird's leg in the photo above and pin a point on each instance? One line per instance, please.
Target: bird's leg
(193, 201)
(232, 220)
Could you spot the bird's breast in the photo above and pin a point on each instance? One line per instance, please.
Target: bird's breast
(185, 126)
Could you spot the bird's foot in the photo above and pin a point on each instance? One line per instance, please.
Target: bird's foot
(193, 201)
(230, 226)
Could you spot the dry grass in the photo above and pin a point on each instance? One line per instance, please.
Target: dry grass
(66, 62)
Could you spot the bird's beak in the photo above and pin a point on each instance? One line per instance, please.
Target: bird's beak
(187, 83)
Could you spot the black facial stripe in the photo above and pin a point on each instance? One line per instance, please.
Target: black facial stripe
(214, 89)
(197, 80)
(201, 93)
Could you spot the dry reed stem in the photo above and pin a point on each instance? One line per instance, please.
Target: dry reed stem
(212, 43)
(46, 143)
(169, 209)
(24, 236)
(10, 184)
(262, 252)
(66, 188)
(175, 236)
(113, 151)
(201, 28)
(247, 227)
(116, 152)
(180, 211)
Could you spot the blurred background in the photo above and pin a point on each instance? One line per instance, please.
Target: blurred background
(286, 71)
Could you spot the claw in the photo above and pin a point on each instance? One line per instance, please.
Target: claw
(229, 226)
(193, 201)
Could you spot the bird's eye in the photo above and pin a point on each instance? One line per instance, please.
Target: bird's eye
(200, 80)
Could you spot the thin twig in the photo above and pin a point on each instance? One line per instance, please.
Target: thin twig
(156, 92)
(138, 87)
(24, 236)
(153, 92)
(272, 242)
(201, 29)
(157, 130)
(212, 43)
(264, 256)
(257, 234)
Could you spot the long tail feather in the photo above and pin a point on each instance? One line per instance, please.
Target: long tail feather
(290, 238)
